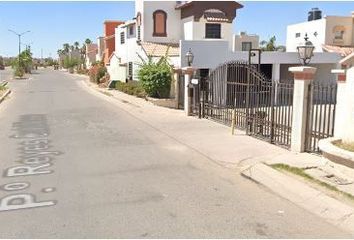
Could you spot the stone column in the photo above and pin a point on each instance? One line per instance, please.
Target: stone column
(340, 117)
(188, 73)
(303, 76)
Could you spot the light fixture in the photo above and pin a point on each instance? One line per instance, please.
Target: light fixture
(189, 57)
(305, 51)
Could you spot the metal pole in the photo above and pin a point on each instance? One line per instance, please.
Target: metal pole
(19, 49)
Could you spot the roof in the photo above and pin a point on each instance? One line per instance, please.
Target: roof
(215, 15)
(342, 50)
(160, 49)
(347, 59)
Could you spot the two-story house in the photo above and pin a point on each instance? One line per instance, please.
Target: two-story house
(328, 33)
(159, 28)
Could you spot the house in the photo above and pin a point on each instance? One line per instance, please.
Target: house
(100, 49)
(205, 28)
(91, 52)
(109, 39)
(245, 42)
(327, 34)
(159, 27)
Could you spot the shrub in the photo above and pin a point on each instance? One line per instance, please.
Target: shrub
(70, 63)
(96, 73)
(19, 71)
(132, 88)
(155, 77)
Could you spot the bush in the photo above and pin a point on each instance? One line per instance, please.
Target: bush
(96, 73)
(19, 71)
(70, 62)
(156, 77)
(132, 88)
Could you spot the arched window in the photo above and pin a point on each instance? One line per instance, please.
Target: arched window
(160, 19)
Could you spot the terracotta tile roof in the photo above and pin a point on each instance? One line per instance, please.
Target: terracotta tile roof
(160, 49)
(343, 51)
(215, 15)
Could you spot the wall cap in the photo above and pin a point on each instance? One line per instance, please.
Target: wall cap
(188, 70)
(303, 69)
(338, 71)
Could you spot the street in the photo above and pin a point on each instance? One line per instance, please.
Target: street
(5, 74)
(75, 166)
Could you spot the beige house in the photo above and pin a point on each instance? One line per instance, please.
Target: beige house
(328, 34)
(245, 42)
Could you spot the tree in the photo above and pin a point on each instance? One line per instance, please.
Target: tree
(270, 45)
(88, 41)
(76, 45)
(66, 47)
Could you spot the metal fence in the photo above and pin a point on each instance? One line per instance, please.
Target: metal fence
(259, 106)
(321, 114)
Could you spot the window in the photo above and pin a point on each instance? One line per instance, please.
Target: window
(131, 30)
(246, 46)
(297, 35)
(130, 70)
(160, 18)
(338, 35)
(212, 30)
(139, 33)
(122, 38)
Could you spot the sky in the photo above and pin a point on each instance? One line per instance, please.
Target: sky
(54, 23)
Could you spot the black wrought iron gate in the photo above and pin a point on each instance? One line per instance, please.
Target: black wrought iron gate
(321, 114)
(261, 107)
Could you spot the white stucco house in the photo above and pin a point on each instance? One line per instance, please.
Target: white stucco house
(328, 34)
(205, 27)
(160, 27)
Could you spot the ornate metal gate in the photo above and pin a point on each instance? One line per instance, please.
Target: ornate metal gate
(261, 107)
(321, 114)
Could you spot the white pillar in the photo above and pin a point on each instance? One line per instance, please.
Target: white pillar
(340, 117)
(303, 76)
(188, 72)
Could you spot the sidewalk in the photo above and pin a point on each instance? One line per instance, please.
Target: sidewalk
(248, 156)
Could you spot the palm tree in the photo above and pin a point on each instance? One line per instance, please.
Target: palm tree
(66, 47)
(270, 45)
(72, 48)
(88, 41)
(76, 44)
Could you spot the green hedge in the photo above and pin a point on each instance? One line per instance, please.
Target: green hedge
(132, 88)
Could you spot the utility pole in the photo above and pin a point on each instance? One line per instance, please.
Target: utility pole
(19, 42)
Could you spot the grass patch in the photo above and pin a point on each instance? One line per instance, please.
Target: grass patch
(132, 88)
(346, 146)
(3, 88)
(301, 172)
(107, 94)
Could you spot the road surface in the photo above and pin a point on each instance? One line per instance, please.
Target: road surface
(75, 166)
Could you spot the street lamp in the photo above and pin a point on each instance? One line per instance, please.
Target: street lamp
(189, 57)
(305, 51)
(19, 42)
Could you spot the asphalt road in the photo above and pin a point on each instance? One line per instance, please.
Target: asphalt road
(5, 74)
(76, 166)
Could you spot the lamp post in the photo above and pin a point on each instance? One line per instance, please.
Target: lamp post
(189, 57)
(305, 51)
(19, 42)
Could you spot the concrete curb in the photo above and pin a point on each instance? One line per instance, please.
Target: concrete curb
(311, 199)
(5, 95)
